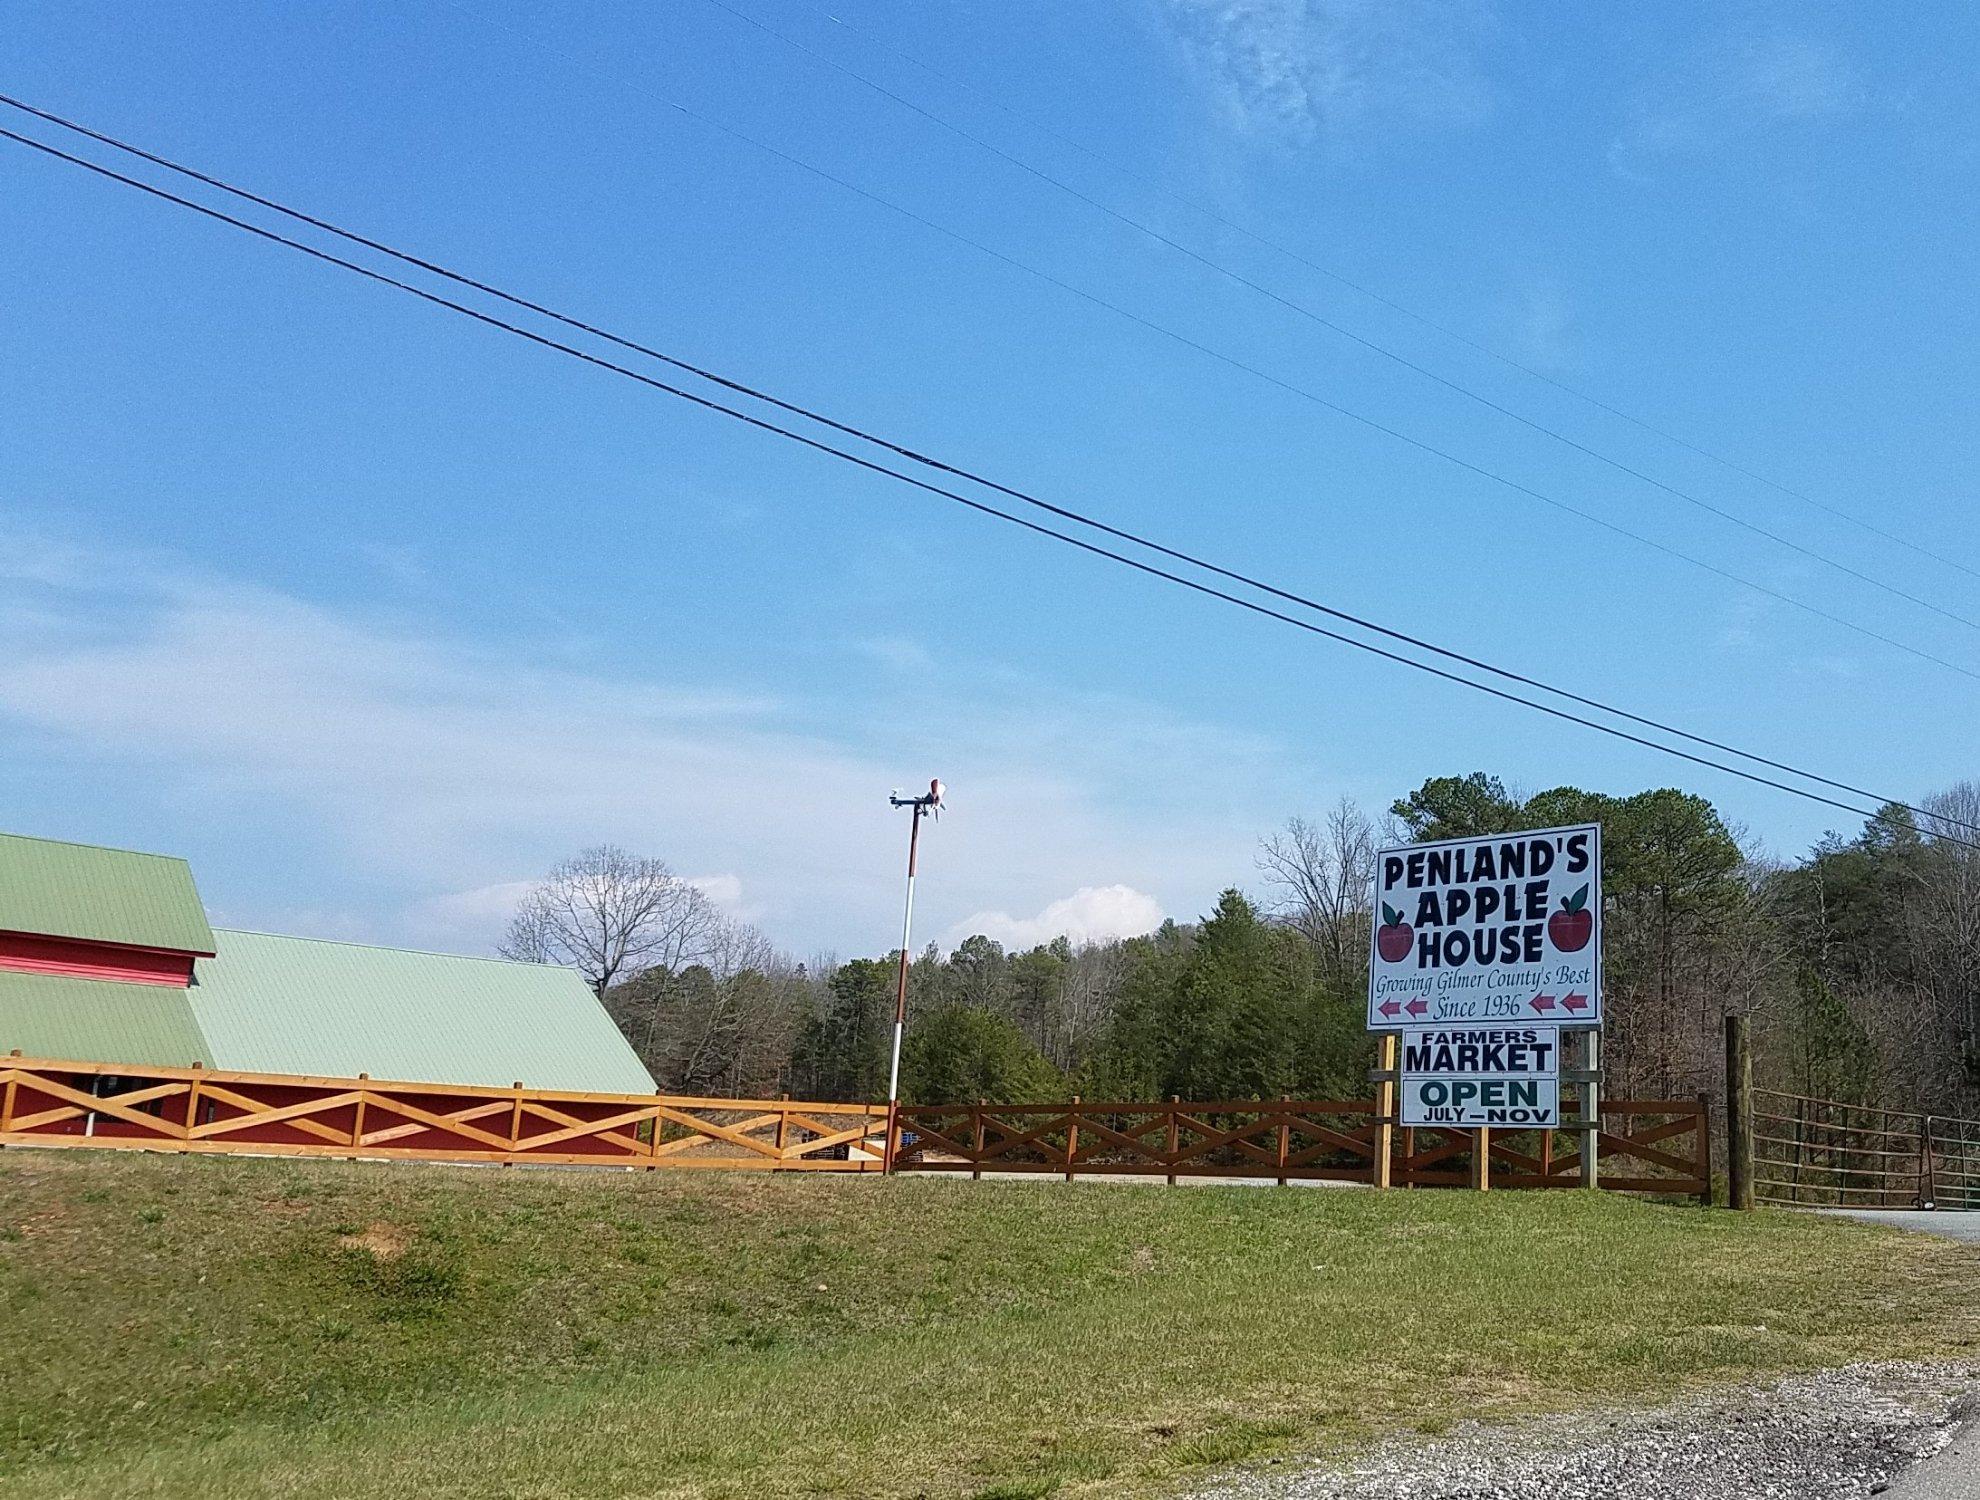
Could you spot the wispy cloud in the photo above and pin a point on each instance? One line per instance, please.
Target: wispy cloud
(431, 776)
(1336, 71)
(1733, 90)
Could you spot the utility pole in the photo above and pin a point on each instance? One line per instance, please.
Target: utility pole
(929, 801)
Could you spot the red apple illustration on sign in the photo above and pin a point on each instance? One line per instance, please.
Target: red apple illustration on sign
(1570, 927)
(1392, 937)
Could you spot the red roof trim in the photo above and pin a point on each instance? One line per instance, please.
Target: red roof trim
(78, 958)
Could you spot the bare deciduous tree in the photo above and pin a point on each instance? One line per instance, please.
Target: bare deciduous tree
(609, 914)
(1949, 903)
(1321, 875)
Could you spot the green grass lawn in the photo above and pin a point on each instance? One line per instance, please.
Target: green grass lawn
(217, 1327)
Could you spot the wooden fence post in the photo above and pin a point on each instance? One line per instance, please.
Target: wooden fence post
(1072, 1136)
(1739, 1114)
(783, 1123)
(1704, 1154)
(1591, 1108)
(515, 1121)
(192, 1107)
(1285, 1135)
(976, 1141)
(1175, 1134)
(357, 1119)
(1385, 1112)
(7, 1099)
(1481, 1158)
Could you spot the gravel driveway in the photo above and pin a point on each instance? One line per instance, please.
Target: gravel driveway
(1813, 1437)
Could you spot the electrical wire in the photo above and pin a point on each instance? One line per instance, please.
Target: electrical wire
(982, 507)
(1444, 330)
(940, 465)
(1292, 388)
(1300, 309)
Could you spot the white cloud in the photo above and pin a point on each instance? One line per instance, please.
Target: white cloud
(1329, 70)
(416, 780)
(725, 891)
(470, 918)
(1090, 914)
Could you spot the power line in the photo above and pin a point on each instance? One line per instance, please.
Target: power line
(1114, 164)
(1300, 309)
(1303, 392)
(913, 455)
(984, 508)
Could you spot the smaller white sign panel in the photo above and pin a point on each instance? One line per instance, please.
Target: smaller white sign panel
(1500, 1052)
(1512, 1103)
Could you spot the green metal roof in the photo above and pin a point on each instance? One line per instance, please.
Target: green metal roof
(101, 895)
(99, 1020)
(272, 1004)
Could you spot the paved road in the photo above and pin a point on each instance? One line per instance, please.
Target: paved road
(1953, 1473)
(1951, 1224)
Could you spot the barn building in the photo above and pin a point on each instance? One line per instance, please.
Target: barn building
(106, 955)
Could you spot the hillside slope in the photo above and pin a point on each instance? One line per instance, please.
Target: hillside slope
(177, 1326)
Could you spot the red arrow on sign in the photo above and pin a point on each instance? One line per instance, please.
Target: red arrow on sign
(1390, 1008)
(1575, 1002)
(1542, 1003)
(1416, 1007)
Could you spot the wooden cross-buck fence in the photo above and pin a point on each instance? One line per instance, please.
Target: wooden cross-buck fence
(1645, 1146)
(44, 1103)
(1648, 1146)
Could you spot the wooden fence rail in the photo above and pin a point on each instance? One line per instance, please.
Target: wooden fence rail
(67, 1103)
(1645, 1145)
(1651, 1146)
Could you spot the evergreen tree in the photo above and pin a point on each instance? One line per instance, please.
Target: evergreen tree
(961, 1054)
(843, 1053)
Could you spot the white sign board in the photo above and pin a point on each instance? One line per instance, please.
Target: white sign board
(1470, 1076)
(1489, 931)
(1528, 1103)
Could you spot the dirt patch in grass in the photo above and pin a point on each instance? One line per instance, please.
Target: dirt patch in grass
(378, 1239)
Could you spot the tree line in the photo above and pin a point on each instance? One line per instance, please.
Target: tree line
(1860, 963)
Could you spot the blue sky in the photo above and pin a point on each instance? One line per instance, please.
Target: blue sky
(373, 613)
